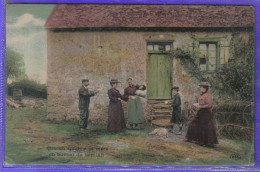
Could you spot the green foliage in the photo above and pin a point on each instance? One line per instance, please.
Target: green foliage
(235, 80)
(14, 65)
(181, 53)
(237, 77)
(188, 60)
(29, 88)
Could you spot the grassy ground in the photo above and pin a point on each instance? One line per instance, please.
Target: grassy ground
(30, 139)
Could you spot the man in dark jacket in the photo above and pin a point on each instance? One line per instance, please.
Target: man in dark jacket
(84, 100)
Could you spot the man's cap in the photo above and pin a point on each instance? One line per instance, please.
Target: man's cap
(129, 79)
(114, 81)
(175, 88)
(204, 84)
(84, 80)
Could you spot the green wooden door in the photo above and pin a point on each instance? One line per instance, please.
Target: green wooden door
(159, 76)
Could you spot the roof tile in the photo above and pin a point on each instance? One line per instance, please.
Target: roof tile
(93, 15)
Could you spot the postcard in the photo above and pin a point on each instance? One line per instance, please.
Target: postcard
(129, 85)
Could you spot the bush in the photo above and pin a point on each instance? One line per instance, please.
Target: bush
(237, 77)
(14, 64)
(29, 88)
(235, 80)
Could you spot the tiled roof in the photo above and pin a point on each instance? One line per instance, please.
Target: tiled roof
(93, 16)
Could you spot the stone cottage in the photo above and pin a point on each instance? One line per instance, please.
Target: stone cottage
(100, 42)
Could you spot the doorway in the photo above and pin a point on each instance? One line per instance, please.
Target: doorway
(159, 71)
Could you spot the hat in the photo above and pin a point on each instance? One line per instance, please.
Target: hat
(204, 84)
(114, 81)
(175, 88)
(129, 79)
(83, 80)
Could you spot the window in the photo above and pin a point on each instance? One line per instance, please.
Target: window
(159, 46)
(208, 56)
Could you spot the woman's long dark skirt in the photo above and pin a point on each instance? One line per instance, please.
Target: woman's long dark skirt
(202, 128)
(116, 120)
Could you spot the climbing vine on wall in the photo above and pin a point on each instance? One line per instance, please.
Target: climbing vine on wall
(235, 79)
(188, 59)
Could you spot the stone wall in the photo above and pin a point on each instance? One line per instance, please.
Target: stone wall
(100, 56)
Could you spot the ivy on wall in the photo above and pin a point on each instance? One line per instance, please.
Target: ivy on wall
(189, 62)
(235, 79)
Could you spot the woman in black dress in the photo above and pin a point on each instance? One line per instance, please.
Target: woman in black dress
(202, 129)
(116, 119)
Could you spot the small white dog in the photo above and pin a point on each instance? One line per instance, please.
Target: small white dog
(160, 132)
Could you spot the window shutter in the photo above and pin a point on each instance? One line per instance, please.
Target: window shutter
(224, 52)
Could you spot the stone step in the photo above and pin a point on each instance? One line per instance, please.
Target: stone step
(159, 106)
(158, 101)
(162, 116)
(162, 123)
(162, 111)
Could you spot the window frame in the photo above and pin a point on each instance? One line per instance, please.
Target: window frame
(207, 41)
(207, 56)
(159, 43)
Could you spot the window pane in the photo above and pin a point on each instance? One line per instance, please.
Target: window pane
(161, 47)
(212, 56)
(167, 47)
(203, 53)
(203, 49)
(212, 50)
(150, 47)
(203, 67)
(202, 60)
(203, 64)
(156, 47)
(212, 60)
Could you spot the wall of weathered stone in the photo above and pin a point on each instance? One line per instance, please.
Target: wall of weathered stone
(100, 56)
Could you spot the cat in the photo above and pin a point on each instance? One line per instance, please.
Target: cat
(160, 132)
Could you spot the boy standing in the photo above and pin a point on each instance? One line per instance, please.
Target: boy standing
(176, 111)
